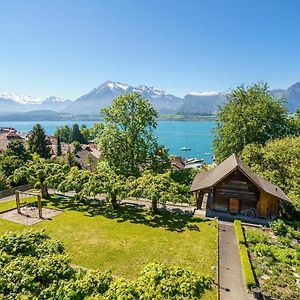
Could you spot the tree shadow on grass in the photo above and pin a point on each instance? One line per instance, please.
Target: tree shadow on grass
(136, 214)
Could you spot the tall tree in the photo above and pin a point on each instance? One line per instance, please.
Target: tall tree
(58, 146)
(65, 133)
(278, 161)
(77, 135)
(38, 142)
(251, 115)
(126, 139)
(17, 148)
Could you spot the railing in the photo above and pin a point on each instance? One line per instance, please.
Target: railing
(12, 191)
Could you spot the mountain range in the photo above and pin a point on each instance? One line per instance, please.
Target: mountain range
(102, 96)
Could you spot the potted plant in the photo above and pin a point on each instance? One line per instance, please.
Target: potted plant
(256, 291)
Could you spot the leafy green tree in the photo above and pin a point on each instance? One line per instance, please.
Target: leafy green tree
(77, 146)
(157, 188)
(77, 135)
(126, 139)
(75, 180)
(104, 180)
(42, 173)
(278, 161)
(251, 115)
(58, 146)
(16, 148)
(38, 142)
(8, 164)
(3, 182)
(294, 124)
(65, 133)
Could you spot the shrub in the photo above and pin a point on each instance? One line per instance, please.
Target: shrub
(279, 227)
(32, 266)
(158, 281)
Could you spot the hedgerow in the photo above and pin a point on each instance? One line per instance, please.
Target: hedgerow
(33, 266)
(249, 277)
(239, 232)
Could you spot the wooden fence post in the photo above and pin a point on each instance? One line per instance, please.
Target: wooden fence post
(40, 206)
(18, 202)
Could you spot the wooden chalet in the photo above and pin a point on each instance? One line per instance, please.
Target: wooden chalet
(231, 187)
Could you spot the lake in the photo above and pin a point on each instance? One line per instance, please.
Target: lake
(173, 134)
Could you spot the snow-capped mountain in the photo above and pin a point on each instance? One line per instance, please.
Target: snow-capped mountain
(22, 99)
(13, 102)
(103, 96)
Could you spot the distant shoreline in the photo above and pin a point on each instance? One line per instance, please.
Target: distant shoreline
(44, 116)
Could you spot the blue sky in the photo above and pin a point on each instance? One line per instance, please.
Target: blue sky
(66, 48)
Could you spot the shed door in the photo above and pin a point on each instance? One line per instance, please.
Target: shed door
(234, 205)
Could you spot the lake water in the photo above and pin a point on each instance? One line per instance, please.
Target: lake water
(173, 134)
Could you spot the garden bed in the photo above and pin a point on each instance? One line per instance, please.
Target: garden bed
(275, 256)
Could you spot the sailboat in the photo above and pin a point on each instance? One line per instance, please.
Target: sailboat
(185, 148)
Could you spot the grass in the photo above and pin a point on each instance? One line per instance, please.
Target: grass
(128, 238)
(249, 277)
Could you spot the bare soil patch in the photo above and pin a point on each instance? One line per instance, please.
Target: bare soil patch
(29, 215)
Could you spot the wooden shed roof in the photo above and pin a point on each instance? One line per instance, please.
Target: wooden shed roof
(210, 178)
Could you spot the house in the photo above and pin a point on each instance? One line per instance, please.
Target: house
(8, 134)
(178, 163)
(233, 188)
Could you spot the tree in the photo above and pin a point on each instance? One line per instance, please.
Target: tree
(75, 180)
(251, 115)
(16, 148)
(9, 163)
(157, 188)
(42, 173)
(3, 181)
(77, 135)
(77, 146)
(104, 180)
(65, 133)
(38, 142)
(126, 139)
(279, 162)
(58, 146)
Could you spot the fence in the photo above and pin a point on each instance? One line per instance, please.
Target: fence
(12, 191)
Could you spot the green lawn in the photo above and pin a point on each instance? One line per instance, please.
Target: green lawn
(125, 240)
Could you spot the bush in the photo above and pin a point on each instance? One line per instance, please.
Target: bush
(245, 261)
(158, 281)
(279, 227)
(32, 266)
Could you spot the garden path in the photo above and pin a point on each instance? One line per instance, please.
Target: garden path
(231, 281)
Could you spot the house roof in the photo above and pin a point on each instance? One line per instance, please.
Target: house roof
(210, 178)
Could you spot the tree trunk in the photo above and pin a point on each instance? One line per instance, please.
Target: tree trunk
(114, 202)
(44, 191)
(154, 206)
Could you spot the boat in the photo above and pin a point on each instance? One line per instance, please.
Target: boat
(206, 153)
(185, 149)
(194, 160)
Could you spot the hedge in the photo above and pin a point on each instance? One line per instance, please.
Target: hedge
(245, 261)
(239, 232)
